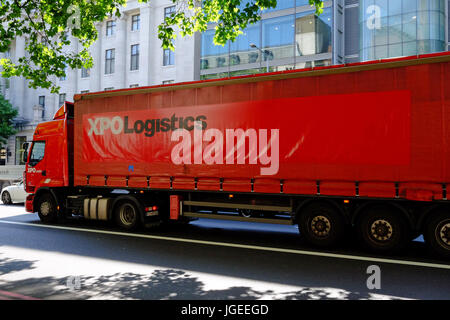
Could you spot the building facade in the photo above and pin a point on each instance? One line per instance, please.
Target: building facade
(127, 54)
(290, 36)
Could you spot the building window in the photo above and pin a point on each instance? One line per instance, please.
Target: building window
(109, 61)
(401, 28)
(134, 85)
(109, 88)
(62, 99)
(168, 81)
(278, 37)
(64, 77)
(110, 27)
(20, 140)
(285, 4)
(169, 57)
(134, 65)
(135, 22)
(169, 11)
(42, 104)
(85, 73)
(313, 33)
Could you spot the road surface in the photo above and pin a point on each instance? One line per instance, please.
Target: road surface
(206, 259)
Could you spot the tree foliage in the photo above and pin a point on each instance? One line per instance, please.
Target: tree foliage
(7, 113)
(47, 24)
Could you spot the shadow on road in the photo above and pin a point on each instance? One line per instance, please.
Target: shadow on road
(162, 284)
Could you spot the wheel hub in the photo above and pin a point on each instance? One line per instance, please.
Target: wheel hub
(45, 208)
(320, 226)
(445, 234)
(381, 230)
(127, 214)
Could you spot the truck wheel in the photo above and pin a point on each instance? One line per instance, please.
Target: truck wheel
(382, 230)
(46, 208)
(437, 234)
(321, 225)
(127, 215)
(6, 198)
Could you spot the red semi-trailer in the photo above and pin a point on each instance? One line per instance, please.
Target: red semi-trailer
(361, 145)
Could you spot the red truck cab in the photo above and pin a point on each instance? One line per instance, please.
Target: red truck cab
(47, 163)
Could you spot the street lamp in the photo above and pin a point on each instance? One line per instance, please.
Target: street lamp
(265, 53)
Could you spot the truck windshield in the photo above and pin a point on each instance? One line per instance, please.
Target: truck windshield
(37, 152)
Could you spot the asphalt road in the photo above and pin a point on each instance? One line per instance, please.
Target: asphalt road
(206, 259)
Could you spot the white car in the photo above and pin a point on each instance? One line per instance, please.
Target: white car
(14, 193)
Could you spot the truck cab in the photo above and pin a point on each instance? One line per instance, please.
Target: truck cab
(47, 164)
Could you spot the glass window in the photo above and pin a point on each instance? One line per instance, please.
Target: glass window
(37, 152)
(85, 73)
(409, 6)
(169, 11)
(423, 25)
(213, 56)
(134, 65)
(300, 3)
(42, 101)
(109, 61)
(20, 140)
(395, 29)
(395, 50)
(413, 26)
(409, 27)
(241, 52)
(381, 52)
(435, 28)
(64, 77)
(62, 99)
(313, 33)
(168, 57)
(409, 48)
(278, 37)
(395, 7)
(110, 27)
(135, 22)
(281, 4)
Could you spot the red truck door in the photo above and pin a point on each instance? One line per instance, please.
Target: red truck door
(36, 168)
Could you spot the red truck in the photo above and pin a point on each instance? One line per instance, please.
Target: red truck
(361, 147)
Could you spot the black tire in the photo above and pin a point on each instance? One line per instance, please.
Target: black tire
(381, 229)
(437, 234)
(321, 225)
(6, 198)
(126, 215)
(47, 209)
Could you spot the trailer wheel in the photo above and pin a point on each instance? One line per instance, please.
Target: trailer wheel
(127, 215)
(437, 234)
(382, 230)
(321, 224)
(46, 207)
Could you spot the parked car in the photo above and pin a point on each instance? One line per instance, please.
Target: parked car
(14, 193)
